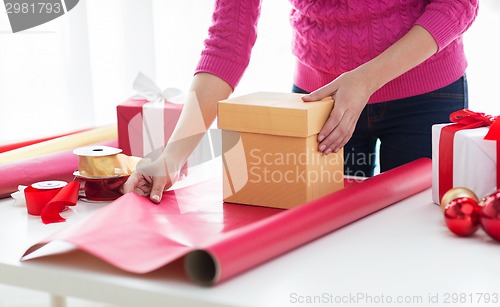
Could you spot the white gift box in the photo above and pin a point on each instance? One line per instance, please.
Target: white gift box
(474, 161)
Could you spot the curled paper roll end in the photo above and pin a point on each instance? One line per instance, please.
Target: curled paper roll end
(202, 267)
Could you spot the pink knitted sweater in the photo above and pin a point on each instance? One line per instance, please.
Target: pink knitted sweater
(335, 36)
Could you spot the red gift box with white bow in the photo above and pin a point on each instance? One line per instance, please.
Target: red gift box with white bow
(146, 121)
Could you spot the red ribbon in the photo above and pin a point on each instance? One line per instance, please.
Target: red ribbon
(102, 189)
(463, 119)
(48, 203)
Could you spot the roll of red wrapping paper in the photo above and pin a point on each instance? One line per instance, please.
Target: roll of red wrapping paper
(238, 253)
(91, 136)
(12, 146)
(54, 166)
(101, 189)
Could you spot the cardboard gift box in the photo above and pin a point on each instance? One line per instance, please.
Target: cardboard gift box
(147, 120)
(270, 154)
(462, 157)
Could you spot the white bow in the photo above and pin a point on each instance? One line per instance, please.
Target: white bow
(147, 89)
(153, 120)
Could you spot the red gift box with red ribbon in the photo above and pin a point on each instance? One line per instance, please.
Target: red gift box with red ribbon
(465, 154)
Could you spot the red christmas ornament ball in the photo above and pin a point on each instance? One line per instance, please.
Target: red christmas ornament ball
(455, 193)
(489, 216)
(462, 216)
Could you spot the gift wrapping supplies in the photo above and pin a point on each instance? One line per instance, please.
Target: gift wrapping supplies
(102, 170)
(219, 241)
(48, 160)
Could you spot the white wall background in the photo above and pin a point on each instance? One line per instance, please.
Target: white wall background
(71, 73)
(483, 49)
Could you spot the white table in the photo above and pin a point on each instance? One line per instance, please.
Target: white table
(402, 252)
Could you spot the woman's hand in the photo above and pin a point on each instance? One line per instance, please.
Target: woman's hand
(352, 89)
(198, 113)
(152, 179)
(350, 92)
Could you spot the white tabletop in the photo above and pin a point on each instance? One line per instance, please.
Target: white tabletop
(403, 252)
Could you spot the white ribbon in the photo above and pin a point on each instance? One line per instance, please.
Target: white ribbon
(153, 121)
(18, 196)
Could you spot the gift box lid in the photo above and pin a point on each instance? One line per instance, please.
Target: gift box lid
(274, 113)
(137, 103)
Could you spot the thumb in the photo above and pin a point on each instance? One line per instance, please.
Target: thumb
(157, 189)
(322, 92)
(131, 183)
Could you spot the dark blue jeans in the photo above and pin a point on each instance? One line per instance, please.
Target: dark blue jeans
(403, 127)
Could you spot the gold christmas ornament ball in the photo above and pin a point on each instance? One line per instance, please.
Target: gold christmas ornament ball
(456, 193)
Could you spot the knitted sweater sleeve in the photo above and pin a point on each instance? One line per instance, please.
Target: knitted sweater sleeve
(230, 39)
(446, 20)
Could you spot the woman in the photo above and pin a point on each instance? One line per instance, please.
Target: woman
(393, 67)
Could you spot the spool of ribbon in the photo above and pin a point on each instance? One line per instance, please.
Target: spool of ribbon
(48, 198)
(102, 170)
(463, 119)
(104, 162)
(102, 189)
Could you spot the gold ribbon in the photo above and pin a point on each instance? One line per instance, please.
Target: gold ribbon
(108, 162)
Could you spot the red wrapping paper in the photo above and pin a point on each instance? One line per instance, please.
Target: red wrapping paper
(72, 141)
(305, 223)
(7, 147)
(224, 240)
(54, 166)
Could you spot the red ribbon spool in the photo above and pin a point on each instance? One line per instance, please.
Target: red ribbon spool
(39, 194)
(48, 198)
(102, 189)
